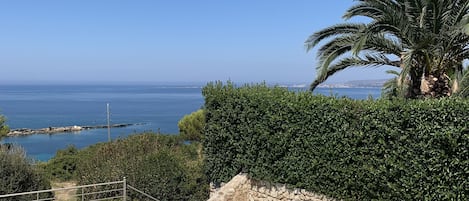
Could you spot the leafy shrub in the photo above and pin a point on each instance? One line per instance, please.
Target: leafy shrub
(347, 149)
(162, 166)
(191, 127)
(18, 174)
(63, 165)
(166, 175)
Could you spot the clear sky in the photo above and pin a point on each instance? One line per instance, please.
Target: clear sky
(165, 41)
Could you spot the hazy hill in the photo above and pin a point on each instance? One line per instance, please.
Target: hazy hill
(356, 84)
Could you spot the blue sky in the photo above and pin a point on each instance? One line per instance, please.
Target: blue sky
(165, 41)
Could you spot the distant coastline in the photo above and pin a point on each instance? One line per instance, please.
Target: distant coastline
(356, 84)
(348, 84)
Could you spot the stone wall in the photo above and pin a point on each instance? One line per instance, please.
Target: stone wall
(242, 188)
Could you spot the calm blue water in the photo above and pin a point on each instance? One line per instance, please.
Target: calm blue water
(159, 107)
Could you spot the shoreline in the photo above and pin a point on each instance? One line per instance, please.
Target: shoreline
(64, 129)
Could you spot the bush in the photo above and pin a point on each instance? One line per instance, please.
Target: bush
(19, 175)
(63, 165)
(191, 127)
(347, 149)
(162, 166)
(166, 175)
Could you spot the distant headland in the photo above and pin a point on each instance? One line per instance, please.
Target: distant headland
(355, 84)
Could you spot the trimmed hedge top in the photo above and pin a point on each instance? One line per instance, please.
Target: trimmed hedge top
(343, 148)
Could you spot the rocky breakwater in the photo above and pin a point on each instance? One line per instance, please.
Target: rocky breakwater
(65, 129)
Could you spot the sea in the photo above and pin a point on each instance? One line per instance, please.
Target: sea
(151, 107)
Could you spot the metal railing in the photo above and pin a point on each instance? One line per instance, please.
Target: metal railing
(101, 191)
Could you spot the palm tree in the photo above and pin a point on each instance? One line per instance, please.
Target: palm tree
(423, 39)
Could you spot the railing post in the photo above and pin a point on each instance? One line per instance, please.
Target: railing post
(82, 194)
(37, 196)
(125, 190)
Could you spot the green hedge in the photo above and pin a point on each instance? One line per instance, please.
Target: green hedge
(346, 149)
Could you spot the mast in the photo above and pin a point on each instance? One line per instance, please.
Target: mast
(108, 123)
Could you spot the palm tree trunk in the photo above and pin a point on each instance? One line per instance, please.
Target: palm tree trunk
(415, 85)
(438, 86)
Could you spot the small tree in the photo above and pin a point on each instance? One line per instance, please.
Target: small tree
(4, 129)
(191, 126)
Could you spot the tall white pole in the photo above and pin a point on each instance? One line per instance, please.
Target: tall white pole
(108, 124)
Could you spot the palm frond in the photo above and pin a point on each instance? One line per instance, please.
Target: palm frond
(392, 88)
(465, 24)
(333, 31)
(406, 66)
(365, 60)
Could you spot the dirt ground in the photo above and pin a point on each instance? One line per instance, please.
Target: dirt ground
(64, 195)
